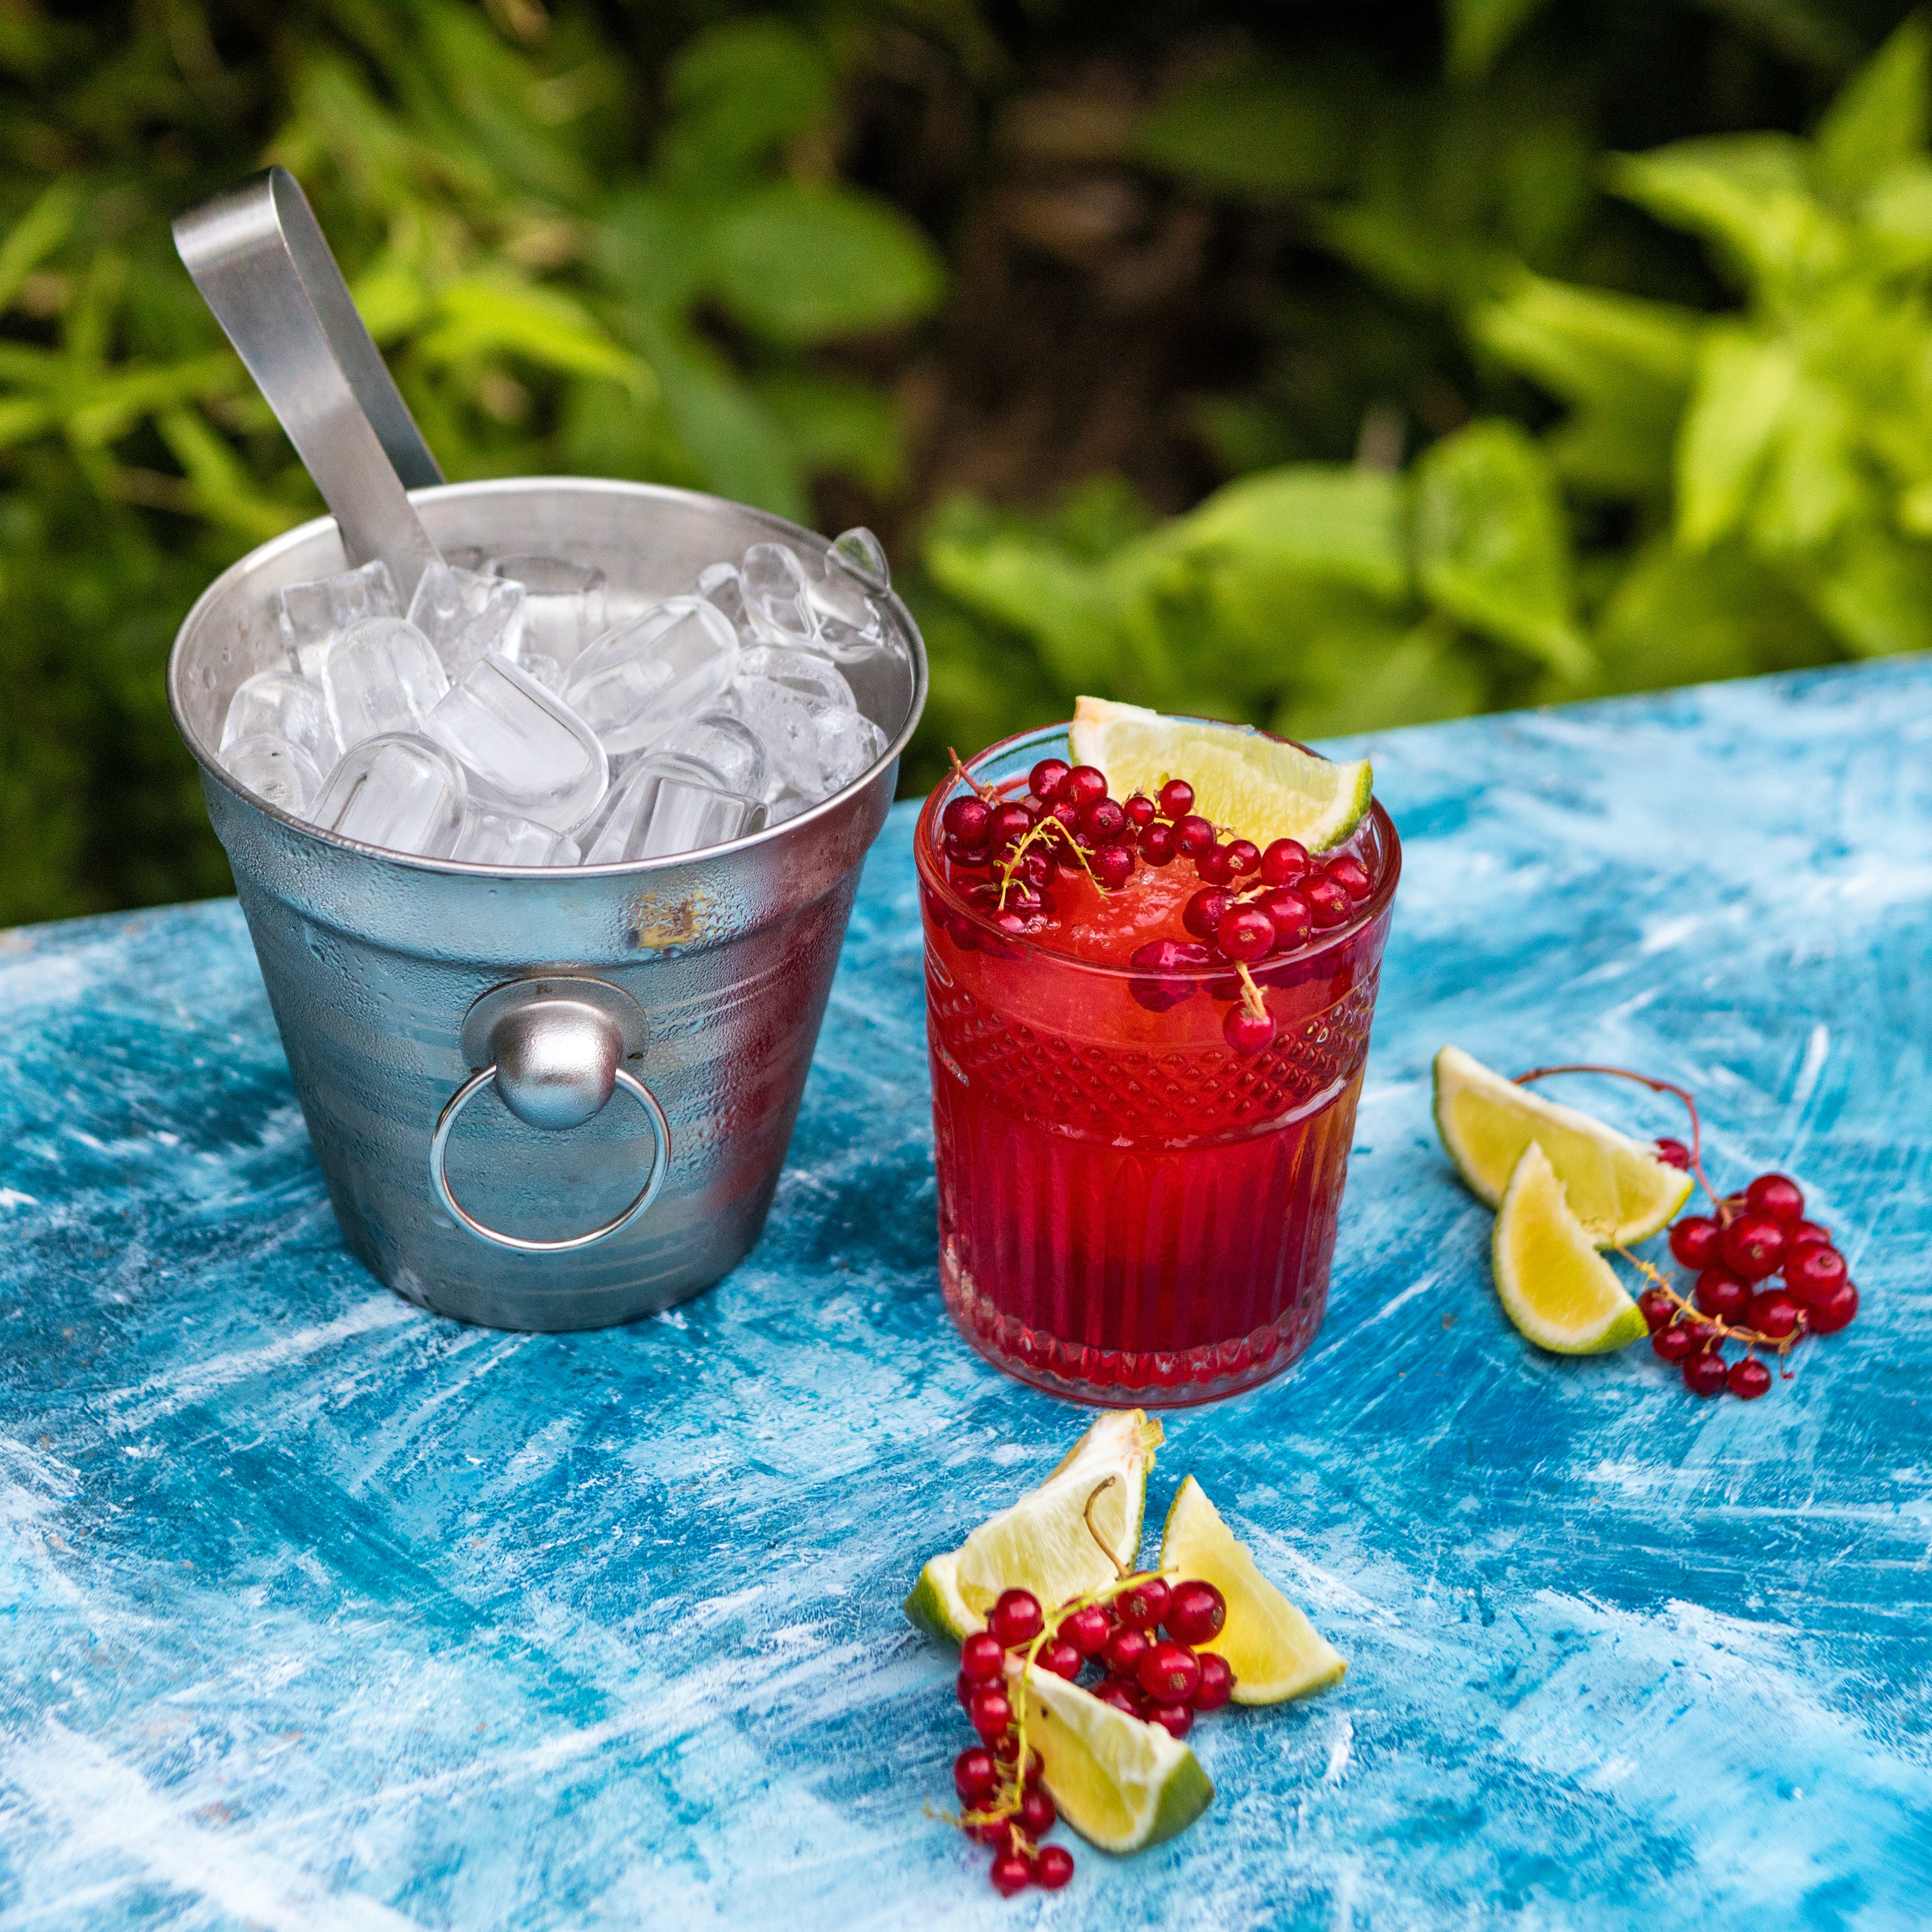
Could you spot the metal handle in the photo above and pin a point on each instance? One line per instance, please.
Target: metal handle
(260, 259)
(555, 1048)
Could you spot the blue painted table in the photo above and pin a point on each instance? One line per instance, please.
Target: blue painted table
(321, 1612)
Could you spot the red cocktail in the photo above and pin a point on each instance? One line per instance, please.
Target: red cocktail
(1132, 1210)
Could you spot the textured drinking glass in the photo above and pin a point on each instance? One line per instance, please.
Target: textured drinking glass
(400, 792)
(1129, 1211)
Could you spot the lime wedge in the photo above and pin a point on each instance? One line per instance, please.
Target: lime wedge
(1121, 1784)
(1617, 1187)
(1275, 1652)
(1243, 781)
(1042, 1543)
(1554, 1286)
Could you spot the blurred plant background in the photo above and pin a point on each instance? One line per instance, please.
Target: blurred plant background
(1333, 366)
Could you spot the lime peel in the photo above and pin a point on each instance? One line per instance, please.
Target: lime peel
(1554, 1285)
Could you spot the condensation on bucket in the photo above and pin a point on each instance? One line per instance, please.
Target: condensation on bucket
(373, 960)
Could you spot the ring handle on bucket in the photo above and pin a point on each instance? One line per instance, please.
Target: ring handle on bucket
(554, 1048)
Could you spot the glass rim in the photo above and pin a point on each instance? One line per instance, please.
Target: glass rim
(1286, 969)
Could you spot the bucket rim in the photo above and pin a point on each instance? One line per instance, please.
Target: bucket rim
(780, 526)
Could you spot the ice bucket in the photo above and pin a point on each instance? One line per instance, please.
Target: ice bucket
(652, 1023)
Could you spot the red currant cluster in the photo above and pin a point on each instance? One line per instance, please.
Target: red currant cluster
(1116, 1632)
(1754, 1236)
(1253, 905)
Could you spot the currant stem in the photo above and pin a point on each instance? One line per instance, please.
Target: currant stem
(986, 794)
(1683, 1093)
(1100, 1489)
(1040, 830)
(1751, 1338)
(1251, 994)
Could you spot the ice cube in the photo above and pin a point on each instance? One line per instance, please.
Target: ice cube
(718, 584)
(671, 660)
(281, 773)
(564, 609)
(664, 805)
(777, 604)
(802, 712)
(860, 553)
(727, 749)
(547, 671)
(492, 837)
(464, 614)
(283, 704)
(380, 676)
(522, 747)
(804, 671)
(397, 791)
(849, 745)
(312, 616)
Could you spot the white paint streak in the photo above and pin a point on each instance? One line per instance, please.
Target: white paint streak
(1341, 1749)
(1817, 1050)
(11, 1197)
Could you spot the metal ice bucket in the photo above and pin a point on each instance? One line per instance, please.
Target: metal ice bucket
(651, 1024)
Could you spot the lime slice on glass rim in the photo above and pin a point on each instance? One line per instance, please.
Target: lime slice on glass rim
(1274, 1651)
(1043, 1544)
(1618, 1188)
(1254, 786)
(1120, 1783)
(1554, 1285)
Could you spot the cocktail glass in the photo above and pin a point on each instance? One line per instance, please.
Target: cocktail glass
(1130, 1212)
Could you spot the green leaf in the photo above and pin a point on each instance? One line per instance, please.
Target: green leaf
(1624, 366)
(1682, 617)
(1744, 383)
(736, 91)
(1875, 593)
(803, 264)
(1895, 223)
(1491, 542)
(1814, 482)
(735, 445)
(848, 429)
(476, 318)
(1307, 520)
(1879, 119)
(1748, 193)
(1384, 681)
(1254, 129)
(1479, 31)
(37, 233)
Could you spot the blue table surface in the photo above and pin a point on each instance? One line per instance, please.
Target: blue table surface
(318, 1611)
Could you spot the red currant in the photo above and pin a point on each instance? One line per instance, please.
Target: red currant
(1156, 845)
(1776, 1195)
(1672, 1153)
(1043, 781)
(989, 1711)
(1086, 1628)
(1673, 1343)
(1213, 867)
(969, 857)
(1773, 1313)
(1139, 809)
(1175, 799)
(1246, 1031)
(1052, 1867)
(1192, 834)
(1288, 913)
(1833, 1310)
(1244, 856)
(1802, 1234)
(1060, 1657)
(1037, 1814)
(997, 1832)
(1815, 1269)
(1754, 1246)
(1113, 866)
(982, 1657)
(1103, 821)
(1169, 1672)
(1351, 875)
(1117, 1692)
(1141, 1605)
(1066, 813)
(1124, 1648)
(1284, 861)
(1722, 1294)
(1012, 1873)
(1016, 1618)
(1217, 1682)
(1704, 1371)
(1195, 1613)
(1328, 904)
(976, 1777)
(1202, 914)
(966, 819)
(963, 1687)
(1697, 1241)
(1176, 1720)
(1244, 932)
(1749, 1379)
(1658, 1308)
(1085, 784)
